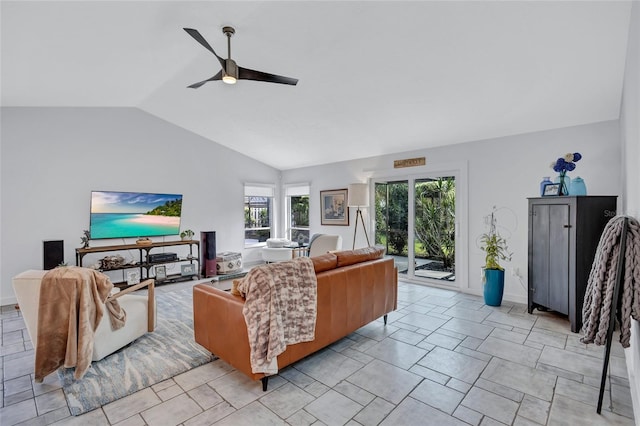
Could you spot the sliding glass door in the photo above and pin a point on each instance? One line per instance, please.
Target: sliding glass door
(392, 215)
(435, 228)
(415, 219)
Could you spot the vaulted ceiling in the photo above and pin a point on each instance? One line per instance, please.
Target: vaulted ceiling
(376, 77)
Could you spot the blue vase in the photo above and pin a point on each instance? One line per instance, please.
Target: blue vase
(578, 186)
(493, 286)
(566, 184)
(545, 181)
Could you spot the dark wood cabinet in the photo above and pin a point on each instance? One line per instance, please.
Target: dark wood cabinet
(563, 237)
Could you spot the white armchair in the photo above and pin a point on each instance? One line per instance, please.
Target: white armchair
(140, 313)
(324, 243)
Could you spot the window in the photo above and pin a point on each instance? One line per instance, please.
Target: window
(258, 213)
(297, 197)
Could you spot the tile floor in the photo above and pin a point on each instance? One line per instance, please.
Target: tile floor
(444, 359)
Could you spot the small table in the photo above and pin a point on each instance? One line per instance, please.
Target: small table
(301, 250)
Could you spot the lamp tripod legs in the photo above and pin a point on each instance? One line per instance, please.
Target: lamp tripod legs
(355, 231)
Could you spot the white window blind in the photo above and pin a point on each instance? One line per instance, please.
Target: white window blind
(257, 190)
(296, 190)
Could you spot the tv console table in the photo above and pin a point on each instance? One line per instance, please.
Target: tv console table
(144, 264)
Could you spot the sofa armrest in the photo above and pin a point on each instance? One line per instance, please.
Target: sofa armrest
(151, 306)
(220, 327)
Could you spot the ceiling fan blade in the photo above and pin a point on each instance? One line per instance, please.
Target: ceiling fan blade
(215, 77)
(198, 37)
(247, 74)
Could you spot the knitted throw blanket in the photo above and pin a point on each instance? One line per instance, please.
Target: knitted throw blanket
(280, 309)
(598, 301)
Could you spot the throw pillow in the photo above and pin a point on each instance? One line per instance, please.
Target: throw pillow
(234, 288)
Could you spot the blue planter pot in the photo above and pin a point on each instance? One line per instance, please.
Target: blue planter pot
(493, 286)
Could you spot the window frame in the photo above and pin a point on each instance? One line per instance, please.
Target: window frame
(296, 190)
(263, 191)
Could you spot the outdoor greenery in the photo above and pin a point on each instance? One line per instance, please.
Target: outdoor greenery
(435, 219)
(300, 211)
(299, 218)
(257, 220)
(253, 221)
(392, 204)
(256, 212)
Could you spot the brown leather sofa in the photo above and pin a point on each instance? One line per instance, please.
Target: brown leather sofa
(355, 287)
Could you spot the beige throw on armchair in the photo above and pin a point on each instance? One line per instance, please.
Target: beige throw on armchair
(69, 312)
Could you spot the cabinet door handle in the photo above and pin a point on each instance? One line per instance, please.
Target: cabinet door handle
(567, 226)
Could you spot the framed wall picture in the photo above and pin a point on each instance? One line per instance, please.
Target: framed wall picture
(133, 277)
(161, 272)
(551, 189)
(187, 270)
(333, 204)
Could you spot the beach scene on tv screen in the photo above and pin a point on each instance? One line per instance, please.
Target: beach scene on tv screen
(134, 214)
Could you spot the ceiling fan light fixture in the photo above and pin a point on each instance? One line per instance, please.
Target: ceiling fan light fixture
(229, 79)
(230, 73)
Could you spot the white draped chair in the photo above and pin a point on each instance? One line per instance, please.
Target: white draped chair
(140, 311)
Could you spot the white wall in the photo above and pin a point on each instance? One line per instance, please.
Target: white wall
(630, 133)
(501, 172)
(630, 118)
(51, 159)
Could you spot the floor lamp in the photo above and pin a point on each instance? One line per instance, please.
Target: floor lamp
(359, 197)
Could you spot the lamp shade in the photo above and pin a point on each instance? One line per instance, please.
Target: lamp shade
(358, 195)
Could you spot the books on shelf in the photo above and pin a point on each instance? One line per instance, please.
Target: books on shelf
(231, 276)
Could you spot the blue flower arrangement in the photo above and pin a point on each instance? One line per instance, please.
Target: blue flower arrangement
(563, 165)
(567, 163)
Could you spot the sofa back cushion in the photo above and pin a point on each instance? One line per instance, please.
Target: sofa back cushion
(324, 262)
(351, 257)
(338, 259)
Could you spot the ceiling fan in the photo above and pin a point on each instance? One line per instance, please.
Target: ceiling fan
(231, 72)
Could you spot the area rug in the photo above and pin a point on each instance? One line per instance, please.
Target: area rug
(154, 357)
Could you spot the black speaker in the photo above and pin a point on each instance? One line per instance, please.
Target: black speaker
(53, 253)
(207, 254)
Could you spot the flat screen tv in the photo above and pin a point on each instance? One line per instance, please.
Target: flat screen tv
(134, 214)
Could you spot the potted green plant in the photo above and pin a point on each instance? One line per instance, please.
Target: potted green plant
(86, 236)
(495, 247)
(187, 234)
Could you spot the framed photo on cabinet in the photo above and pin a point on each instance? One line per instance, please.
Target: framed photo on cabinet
(551, 189)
